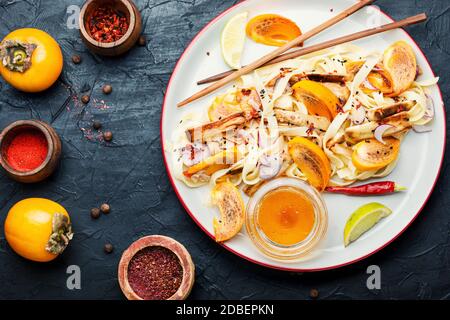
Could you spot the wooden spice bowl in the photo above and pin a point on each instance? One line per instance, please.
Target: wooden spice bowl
(51, 161)
(126, 42)
(158, 241)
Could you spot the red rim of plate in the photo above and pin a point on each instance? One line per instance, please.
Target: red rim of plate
(240, 254)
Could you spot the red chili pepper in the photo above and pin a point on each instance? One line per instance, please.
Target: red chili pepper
(376, 188)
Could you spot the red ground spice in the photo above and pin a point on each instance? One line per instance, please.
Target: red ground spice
(155, 273)
(27, 150)
(107, 25)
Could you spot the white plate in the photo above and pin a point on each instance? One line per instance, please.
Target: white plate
(421, 154)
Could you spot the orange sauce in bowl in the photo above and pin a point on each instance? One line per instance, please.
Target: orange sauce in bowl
(286, 216)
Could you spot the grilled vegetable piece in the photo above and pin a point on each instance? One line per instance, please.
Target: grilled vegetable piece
(213, 163)
(399, 123)
(211, 129)
(223, 106)
(228, 199)
(379, 80)
(311, 160)
(318, 99)
(339, 90)
(250, 103)
(318, 77)
(371, 154)
(244, 100)
(352, 69)
(250, 190)
(377, 114)
(301, 119)
(400, 62)
(272, 30)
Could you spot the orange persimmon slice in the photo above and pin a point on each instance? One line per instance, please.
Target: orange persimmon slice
(371, 154)
(227, 197)
(311, 160)
(399, 60)
(272, 30)
(318, 99)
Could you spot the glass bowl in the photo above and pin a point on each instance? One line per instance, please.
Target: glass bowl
(279, 251)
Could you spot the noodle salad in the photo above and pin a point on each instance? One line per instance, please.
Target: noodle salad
(331, 118)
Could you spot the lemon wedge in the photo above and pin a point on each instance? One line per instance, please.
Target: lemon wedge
(363, 219)
(232, 40)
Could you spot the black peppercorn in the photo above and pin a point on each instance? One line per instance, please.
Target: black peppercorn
(105, 208)
(108, 248)
(85, 99)
(95, 213)
(314, 293)
(107, 89)
(97, 125)
(142, 41)
(76, 59)
(107, 136)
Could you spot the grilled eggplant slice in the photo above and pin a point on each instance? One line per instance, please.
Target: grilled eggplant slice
(211, 129)
(399, 122)
(301, 119)
(318, 77)
(380, 113)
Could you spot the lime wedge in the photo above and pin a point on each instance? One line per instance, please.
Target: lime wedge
(232, 40)
(363, 219)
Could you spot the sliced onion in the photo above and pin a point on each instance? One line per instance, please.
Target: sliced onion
(269, 166)
(263, 139)
(421, 129)
(194, 153)
(380, 130)
(430, 107)
(358, 115)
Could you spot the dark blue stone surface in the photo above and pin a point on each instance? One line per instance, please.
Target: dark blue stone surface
(130, 175)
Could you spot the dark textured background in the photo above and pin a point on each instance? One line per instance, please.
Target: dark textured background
(130, 175)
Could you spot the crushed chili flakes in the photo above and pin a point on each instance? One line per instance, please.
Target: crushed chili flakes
(310, 129)
(107, 24)
(155, 273)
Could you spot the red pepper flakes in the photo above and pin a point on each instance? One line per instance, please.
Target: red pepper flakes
(27, 150)
(107, 25)
(155, 273)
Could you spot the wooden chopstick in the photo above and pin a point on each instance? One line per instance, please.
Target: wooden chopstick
(325, 45)
(261, 61)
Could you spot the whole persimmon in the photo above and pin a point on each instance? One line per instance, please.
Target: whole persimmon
(38, 229)
(30, 60)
